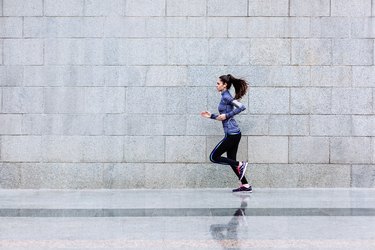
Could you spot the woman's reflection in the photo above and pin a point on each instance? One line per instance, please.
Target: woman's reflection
(226, 234)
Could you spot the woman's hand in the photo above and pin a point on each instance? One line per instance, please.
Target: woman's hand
(206, 114)
(221, 117)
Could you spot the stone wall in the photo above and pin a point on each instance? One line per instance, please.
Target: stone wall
(107, 93)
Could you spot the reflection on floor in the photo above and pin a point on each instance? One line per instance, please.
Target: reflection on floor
(188, 219)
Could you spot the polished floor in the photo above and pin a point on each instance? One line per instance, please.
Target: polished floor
(187, 219)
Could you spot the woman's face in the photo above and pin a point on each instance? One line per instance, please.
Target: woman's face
(220, 86)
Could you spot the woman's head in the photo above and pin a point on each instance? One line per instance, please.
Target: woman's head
(226, 81)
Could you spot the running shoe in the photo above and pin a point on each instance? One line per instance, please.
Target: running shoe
(242, 188)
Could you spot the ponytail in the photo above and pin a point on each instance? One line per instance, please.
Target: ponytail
(240, 85)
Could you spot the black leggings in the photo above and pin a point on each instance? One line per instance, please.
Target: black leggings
(228, 144)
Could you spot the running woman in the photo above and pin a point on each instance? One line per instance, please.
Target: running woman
(232, 132)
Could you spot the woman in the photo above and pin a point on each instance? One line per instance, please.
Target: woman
(232, 132)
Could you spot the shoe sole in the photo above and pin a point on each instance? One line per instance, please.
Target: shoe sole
(246, 191)
(242, 191)
(244, 171)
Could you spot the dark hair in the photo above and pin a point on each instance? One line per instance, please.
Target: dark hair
(239, 84)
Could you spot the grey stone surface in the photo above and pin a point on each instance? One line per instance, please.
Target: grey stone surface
(352, 52)
(21, 148)
(166, 76)
(58, 148)
(186, 7)
(268, 7)
(145, 100)
(186, 27)
(272, 27)
(118, 26)
(334, 27)
(226, 8)
(103, 149)
(10, 27)
(185, 149)
(104, 8)
(144, 149)
(22, 100)
(330, 125)
(85, 100)
(11, 75)
(145, 52)
(330, 201)
(228, 51)
(268, 149)
(23, 51)
(301, 175)
(310, 100)
(335, 76)
(63, 124)
(363, 27)
(352, 101)
(110, 219)
(151, 124)
(186, 100)
(10, 176)
(104, 100)
(217, 27)
(63, 7)
(115, 124)
(117, 86)
(22, 7)
(173, 125)
(351, 8)
(204, 75)
(64, 100)
(350, 150)
(270, 51)
(49, 175)
(86, 76)
(145, 7)
(363, 76)
(123, 175)
(363, 176)
(274, 76)
(289, 76)
(73, 51)
(254, 124)
(309, 149)
(197, 125)
(269, 100)
(363, 125)
(289, 125)
(11, 124)
(63, 27)
(193, 175)
(311, 52)
(310, 8)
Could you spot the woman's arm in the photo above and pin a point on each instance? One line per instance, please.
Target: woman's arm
(214, 116)
(239, 108)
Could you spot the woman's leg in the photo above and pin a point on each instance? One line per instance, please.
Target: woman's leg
(232, 154)
(223, 146)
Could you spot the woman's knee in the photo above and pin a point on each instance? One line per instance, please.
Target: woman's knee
(214, 157)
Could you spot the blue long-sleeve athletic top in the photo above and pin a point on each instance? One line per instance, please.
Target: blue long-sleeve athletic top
(226, 106)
